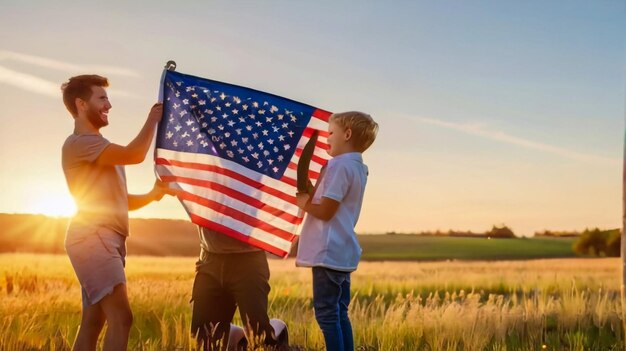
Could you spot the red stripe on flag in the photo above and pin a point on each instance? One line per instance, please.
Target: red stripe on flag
(309, 131)
(321, 114)
(318, 144)
(321, 145)
(236, 235)
(314, 158)
(312, 174)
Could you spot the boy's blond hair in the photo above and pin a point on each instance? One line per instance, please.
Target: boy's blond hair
(363, 127)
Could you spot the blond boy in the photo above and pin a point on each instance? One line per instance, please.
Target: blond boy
(328, 241)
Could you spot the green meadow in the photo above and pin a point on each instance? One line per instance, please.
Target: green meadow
(424, 247)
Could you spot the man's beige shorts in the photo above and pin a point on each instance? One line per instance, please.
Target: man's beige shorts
(98, 258)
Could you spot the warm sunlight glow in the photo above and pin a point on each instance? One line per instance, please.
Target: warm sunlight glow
(54, 206)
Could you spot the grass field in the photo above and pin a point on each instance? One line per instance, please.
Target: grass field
(555, 304)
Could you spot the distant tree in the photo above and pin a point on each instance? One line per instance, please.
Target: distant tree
(502, 232)
(614, 243)
(590, 243)
(557, 234)
(596, 242)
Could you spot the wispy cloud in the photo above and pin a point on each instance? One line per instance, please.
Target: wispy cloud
(42, 86)
(29, 82)
(37, 85)
(481, 131)
(65, 66)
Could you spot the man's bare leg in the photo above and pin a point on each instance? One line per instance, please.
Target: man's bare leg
(119, 319)
(91, 324)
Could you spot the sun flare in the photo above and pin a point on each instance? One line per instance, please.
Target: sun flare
(54, 206)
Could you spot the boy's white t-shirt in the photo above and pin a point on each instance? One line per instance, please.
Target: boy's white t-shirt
(333, 244)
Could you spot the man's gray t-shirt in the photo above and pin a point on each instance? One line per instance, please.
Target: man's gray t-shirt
(99, 191)
(215, 242)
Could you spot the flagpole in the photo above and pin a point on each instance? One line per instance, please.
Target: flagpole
(169, 66)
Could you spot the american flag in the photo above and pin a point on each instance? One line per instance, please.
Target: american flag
(234, 151)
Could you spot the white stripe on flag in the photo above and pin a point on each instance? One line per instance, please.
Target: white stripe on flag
(317, 123)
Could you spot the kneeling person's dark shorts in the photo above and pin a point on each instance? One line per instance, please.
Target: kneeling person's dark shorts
(224, 282)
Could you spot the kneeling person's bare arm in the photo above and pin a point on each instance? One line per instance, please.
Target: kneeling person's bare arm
(159, 190)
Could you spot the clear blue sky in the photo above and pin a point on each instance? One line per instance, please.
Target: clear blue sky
(491, 112)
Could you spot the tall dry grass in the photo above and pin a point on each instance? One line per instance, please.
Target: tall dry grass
(567, 304)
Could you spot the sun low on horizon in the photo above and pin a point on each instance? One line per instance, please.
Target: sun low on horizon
(52, 204)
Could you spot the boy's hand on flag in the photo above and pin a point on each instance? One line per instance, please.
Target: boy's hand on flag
(302, 199)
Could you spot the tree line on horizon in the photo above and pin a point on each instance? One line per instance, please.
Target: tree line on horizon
(502, 231)
(163, 237)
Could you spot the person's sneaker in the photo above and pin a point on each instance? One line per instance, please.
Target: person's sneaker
(237, 340)
(280, 330)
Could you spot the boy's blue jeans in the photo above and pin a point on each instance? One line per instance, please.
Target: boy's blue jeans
(331, 297)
